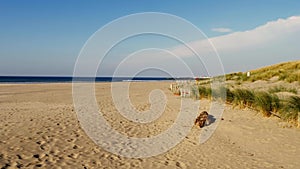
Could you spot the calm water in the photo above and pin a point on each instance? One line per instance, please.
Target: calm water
(52, 79)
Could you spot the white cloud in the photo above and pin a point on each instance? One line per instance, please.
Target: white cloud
(273, 42)
(270, 32)
(221, 30)
(262, 35)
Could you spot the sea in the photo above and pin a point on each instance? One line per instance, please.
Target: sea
(53, 79)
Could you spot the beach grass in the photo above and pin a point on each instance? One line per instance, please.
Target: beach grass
(267, 103)
(243, 97)
(290, 111)
(281, 88)
(288, 71)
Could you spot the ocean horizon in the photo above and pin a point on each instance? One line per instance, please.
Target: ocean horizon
(66, 79)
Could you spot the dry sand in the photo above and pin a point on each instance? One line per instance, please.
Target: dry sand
(39, 128)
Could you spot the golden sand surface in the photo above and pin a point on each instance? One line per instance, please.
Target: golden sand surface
(39, 129)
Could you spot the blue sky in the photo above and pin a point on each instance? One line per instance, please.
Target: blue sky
(45, 37)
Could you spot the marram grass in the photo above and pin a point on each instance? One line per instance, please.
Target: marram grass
(291, 109)
(265, 102)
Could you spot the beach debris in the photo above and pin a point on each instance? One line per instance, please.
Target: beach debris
(201, 119)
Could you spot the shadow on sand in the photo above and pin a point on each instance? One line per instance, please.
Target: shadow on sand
(211, 119)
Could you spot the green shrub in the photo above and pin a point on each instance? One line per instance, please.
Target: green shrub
(291, 109)
(195, 92)
(202, 92)
(243, 97)
(276, 103)
(266, 103)
(244, 77)
(285, 71)
(293, 77)
(282, 89)
(219, 93)
(208, 92)
(229, 95)
(283, 76)
(263, 103)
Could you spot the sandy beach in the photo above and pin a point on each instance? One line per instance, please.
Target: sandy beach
(39, 129)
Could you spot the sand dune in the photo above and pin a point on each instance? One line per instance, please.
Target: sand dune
(39, 128)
